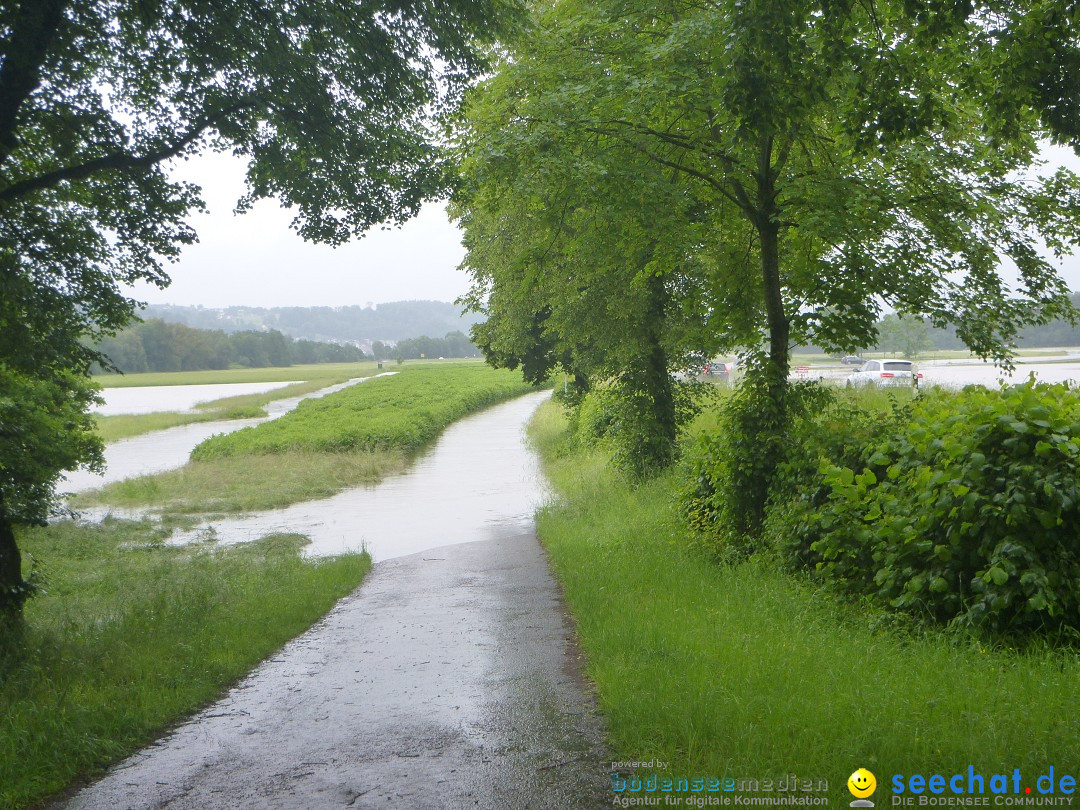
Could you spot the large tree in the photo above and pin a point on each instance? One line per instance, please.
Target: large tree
(330, 103)
(841, 157)
(576, 250)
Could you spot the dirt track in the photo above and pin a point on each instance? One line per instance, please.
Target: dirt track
(448, 680)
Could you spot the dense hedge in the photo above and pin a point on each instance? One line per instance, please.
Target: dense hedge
(404, 411)
(958, 507)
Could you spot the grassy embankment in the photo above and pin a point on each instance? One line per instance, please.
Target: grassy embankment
(346, 439)
(132, 635)
(312, 377)
(747, 671)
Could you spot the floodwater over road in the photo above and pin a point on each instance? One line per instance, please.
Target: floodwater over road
(955, 374)
(478, 480)
(958, 373)
(174, 398)
(449, 679)
(168, 449)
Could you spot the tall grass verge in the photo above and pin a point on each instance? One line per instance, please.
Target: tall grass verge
(131, 635)
(743, 670)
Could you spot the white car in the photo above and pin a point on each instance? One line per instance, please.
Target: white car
(886, 372)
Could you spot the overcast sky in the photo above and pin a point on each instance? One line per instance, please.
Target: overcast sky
(256, 260)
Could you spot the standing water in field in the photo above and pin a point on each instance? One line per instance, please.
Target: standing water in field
(174, 398)
(478, 480)
(168, 449)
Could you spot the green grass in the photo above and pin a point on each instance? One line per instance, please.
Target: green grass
(353, 437)
(746, 671)
(247, 483)
(404, 412)
(335, 372)
(133, 635)
(245, 406)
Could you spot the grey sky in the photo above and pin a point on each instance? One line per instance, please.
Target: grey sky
(257, 260)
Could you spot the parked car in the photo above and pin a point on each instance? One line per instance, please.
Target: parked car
(851, 360)
(719, 371)
(885, 373)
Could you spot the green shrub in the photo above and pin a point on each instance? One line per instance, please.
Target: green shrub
(730, 471)
(638, 425)
(835, 431)
(971, 514)
(596, 417)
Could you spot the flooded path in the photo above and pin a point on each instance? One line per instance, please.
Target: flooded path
(479, 480)
(449, 679)
(168, 449)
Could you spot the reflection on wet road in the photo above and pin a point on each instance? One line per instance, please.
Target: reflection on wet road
(477, 481)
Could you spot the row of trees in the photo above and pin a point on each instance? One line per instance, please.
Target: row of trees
(390, 322)
(643, 178)
(155, 345)
(912, 335)
(455, 344)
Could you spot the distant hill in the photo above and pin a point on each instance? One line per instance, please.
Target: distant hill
(399, 320)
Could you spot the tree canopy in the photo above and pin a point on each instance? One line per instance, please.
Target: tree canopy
(806, 164)
(330, 103)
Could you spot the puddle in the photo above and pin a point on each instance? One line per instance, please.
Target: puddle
(168, 449)
(480, 479)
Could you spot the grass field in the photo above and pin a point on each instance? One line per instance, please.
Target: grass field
(746, 671)
(352, 437)
(131, 635)
(403, 412)
(246, 406)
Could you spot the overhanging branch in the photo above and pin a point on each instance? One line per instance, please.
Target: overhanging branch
(121, 160)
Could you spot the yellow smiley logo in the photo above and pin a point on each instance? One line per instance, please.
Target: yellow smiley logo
(862, 783)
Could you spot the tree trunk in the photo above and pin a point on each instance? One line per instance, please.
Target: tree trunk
(658, 381)
(768, 229)
(772, 417)
(13, 590)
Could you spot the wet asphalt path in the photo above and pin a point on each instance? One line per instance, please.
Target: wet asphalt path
(449, 679)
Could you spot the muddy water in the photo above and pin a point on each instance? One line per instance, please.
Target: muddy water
(174, 398)
(168, 449)
(478, 481)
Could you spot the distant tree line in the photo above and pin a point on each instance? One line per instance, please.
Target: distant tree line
(155, 345)
(455, 344)
(390, 322)
(911, 336)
